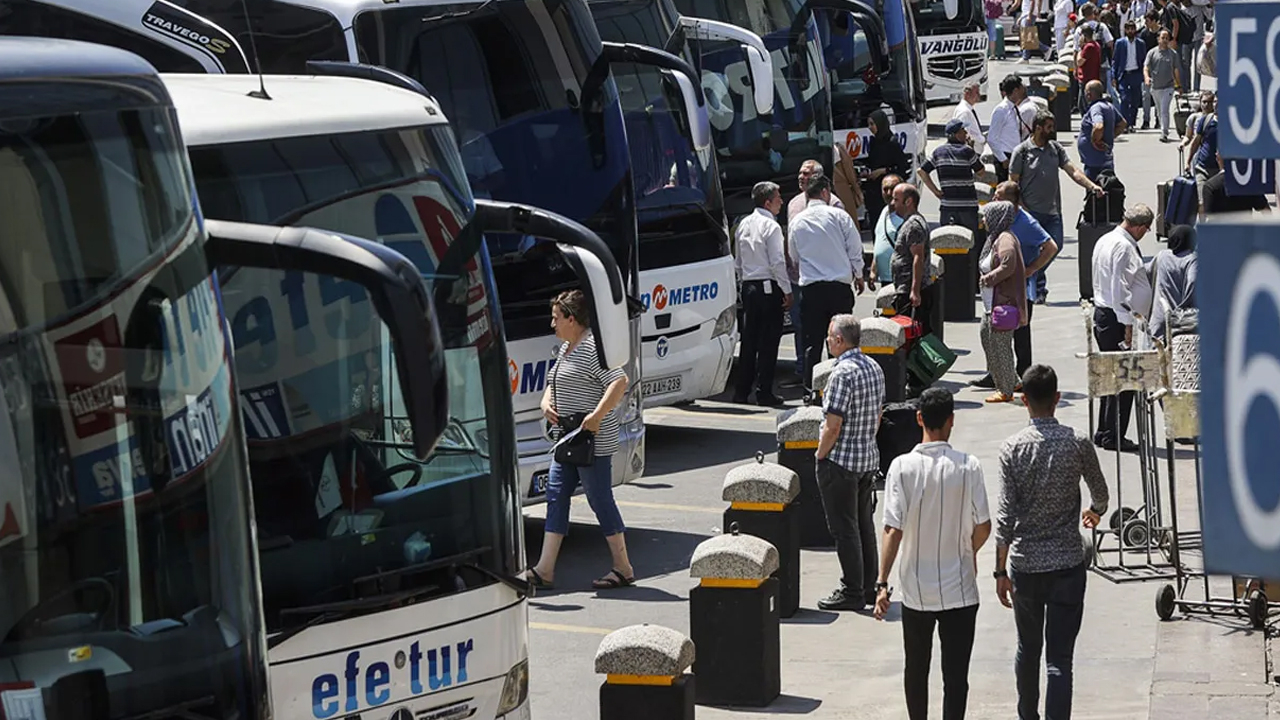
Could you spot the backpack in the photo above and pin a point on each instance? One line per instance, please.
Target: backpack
(1110, 208)
(1186, 26)
(1100, 38)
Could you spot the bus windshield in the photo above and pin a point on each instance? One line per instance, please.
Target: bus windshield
(124, 529)
(509, 76)
(940, 17)
(750, 148)
(856, 91)
(344, 510)
(678, 196)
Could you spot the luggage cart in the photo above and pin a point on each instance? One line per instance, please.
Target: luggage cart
(1249, 596)
(1132, 544)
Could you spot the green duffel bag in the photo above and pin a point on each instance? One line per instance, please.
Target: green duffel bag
(930, 359)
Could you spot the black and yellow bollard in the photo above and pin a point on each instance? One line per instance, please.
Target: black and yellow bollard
(645, 679)
(818, 380)
(885, 342)
(733, 619)
(1061, 101)
(937, 292)
(797, 447)
(954, 244)
(760, 496)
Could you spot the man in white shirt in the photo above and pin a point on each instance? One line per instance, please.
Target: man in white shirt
(808, 170)
(1121, 290)
(765, 293)
(825, 244)
(1062, 10)
(967, 113)
(1005, 132)
(936, 515)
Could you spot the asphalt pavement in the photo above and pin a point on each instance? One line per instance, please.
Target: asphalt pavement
(1128, 664)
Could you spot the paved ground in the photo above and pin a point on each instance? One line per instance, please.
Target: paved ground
(1128, 664)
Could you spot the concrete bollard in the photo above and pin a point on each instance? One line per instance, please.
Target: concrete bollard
(885, 342)
(884, 300)
(985, 192)
(937, 295)
(760, 496)
(797, 446)
(821, 374)
(645, 679)
(1062, 101)
(954, 244)
(733, 619)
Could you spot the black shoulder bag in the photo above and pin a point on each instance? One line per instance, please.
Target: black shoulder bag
(580, 450)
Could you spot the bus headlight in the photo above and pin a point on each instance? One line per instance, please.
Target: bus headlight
(725, 323)
(515, 690)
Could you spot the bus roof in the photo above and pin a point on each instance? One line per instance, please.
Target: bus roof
(32, 58)
(217, 109)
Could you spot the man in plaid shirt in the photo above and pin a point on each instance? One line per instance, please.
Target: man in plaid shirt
(848, 462)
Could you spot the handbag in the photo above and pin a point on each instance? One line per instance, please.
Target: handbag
(1005, 318)
(577, 445)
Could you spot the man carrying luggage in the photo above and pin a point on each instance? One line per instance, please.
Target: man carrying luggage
(1098, 129)
(936, 515)
(1040, 557)
(848, 461)
(1035, 166)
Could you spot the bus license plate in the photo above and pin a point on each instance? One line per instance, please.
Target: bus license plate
(660, 386)
(539, 485)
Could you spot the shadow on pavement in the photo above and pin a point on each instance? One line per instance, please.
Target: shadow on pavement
(784, 705)
(680, 449)
(584, 557)
(805, 616)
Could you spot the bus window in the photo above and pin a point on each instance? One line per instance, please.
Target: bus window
(42, 19)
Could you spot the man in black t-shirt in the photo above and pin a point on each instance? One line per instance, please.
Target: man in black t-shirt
(1215, 200)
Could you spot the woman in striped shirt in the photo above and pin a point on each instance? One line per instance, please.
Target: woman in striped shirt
(579, 386)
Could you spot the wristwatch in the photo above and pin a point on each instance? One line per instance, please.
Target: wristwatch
(883, 586)
(1000, 574)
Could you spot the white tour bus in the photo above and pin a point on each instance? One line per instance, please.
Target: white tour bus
(387, 582)
(528, 129)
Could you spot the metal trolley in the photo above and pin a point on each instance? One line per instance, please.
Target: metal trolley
(1190, 591)
(1134, 543)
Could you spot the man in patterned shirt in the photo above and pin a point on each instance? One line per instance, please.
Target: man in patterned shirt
(958, 166)
(848, 461)
(1036, 535)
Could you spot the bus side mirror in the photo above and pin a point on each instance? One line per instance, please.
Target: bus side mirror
(759, 61)
(394, 285)
(690, 85)
(590, 259)
(868, 19)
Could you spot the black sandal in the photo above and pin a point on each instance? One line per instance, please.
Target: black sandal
(538, 582)
(613, 581)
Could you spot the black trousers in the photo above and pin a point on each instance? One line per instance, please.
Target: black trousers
(1002, 172)
(1114, 410)
(846, 498)
(1022, 344)
(955, 632)
(761, 333)
(821, 302)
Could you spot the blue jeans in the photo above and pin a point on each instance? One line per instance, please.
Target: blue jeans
(1047, 610)
(1052, 224)
(1131, 95)
(597, 481)
(991, 34)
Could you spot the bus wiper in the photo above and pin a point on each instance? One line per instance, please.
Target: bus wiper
(463, 559)
(341, 609)
(690, 205)
(457, 14)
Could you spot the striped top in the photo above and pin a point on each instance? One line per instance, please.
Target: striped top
(577, 385)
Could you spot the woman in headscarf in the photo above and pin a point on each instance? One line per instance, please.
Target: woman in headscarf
(1173, 274)
(1004, 285)
(884, 157)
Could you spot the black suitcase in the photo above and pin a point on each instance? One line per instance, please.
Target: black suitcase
(899, 432)
(1087, 237)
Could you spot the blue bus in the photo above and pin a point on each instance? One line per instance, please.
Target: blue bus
(128, 570)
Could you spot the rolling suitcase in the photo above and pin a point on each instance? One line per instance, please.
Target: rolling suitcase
(998, 52)
(1087, 234)
(1184, 104)
(1182, 211)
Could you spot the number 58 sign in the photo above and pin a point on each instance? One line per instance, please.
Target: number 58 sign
(1248, 38)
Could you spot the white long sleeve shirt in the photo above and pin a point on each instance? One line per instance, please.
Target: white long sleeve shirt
(1003, 136)
(760, 255)
(825, 244)
(1120, 279)
(966, 114)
